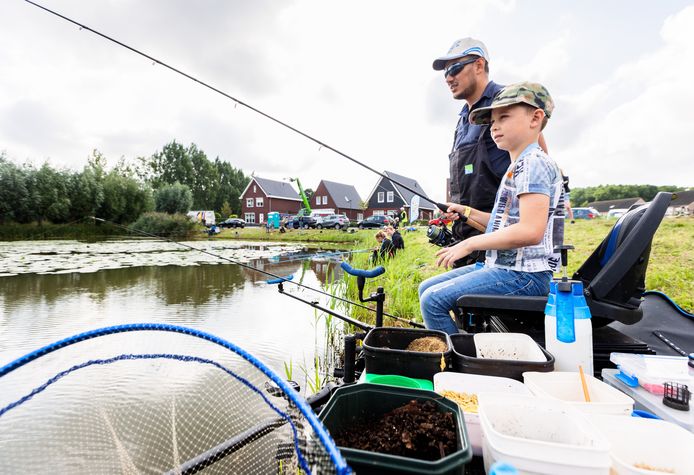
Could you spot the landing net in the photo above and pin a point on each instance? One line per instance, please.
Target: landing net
(155, 398)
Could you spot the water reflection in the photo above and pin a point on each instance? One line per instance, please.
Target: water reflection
(226, 299)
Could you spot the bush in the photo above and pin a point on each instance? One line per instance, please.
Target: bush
(163, 224)
(174, 198)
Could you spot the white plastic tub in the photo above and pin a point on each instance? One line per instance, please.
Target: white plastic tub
(657, 444)
(566, 386)
(540, 436)
(507, 346)
(476, 384)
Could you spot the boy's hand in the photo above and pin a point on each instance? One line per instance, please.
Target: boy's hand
(448, 255)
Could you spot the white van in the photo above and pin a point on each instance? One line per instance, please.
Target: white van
(205, 217)
(319, 214)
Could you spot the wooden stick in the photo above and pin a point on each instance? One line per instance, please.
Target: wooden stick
(584, 384)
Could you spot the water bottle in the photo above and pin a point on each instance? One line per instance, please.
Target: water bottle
(568, 327)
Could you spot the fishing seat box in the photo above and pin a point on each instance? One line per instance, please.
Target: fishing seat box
(465, 360)
(384, 353)
(350, 404)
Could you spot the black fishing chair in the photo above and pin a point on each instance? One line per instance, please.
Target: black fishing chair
(613, 280)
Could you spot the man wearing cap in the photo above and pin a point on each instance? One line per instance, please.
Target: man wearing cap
(476, 163)
(527, 219)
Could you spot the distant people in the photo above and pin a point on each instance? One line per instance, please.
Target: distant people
(396, 221)
(395, 237)
(385, 250)
(567, 197)
(403, 216)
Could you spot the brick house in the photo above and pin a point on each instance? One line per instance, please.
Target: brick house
(344, 199)
(262, 196)
(387, 197)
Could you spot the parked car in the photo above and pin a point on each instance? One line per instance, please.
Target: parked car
(439, 221)
(304, 222)
(288, 221)
(616, 212)
(233, 223)
(585, 213)
(337, 221)
(375, 222)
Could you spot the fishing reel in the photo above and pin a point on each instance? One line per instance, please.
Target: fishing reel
(439, 235)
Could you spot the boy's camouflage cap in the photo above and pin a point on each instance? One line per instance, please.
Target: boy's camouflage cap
(530, 93)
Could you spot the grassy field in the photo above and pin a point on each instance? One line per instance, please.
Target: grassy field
(670, 270)
(345, 240)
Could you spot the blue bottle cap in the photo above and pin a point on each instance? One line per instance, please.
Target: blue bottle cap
(502, 468)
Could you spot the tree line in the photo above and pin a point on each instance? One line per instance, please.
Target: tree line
(175, 179)
(584, 196)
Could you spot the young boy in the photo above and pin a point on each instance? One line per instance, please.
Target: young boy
(527, 220)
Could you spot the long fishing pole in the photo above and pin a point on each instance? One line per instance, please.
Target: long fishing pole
(275, 276)
(154, 60)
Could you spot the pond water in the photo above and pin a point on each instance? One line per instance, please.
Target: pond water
(53, 289)
(138, 416)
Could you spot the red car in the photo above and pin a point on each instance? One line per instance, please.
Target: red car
(440, 221)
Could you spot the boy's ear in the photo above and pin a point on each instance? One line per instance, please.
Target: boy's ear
(538, 117)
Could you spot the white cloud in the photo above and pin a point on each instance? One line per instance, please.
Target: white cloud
(634, 125)
(355, 75)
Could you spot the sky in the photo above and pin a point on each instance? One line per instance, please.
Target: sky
(356, 75)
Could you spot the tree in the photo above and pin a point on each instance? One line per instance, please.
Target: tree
(174, 198)
(87, 190)
(232, 182)
(49, 194)
(309, 193)
(14, 195)
(226, 210)
(125, 198)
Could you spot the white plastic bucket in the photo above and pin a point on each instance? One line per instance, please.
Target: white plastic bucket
(566, 386)
(650, 443)
(476, 384)
(540, 436)
(507, 346)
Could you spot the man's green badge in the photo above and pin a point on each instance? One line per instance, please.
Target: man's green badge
(468, 169)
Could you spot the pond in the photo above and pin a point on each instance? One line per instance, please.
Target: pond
(53, 289)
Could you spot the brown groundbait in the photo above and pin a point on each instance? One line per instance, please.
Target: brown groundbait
(429, 344)
(416, 430)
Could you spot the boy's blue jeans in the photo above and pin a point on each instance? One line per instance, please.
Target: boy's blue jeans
(438, 294)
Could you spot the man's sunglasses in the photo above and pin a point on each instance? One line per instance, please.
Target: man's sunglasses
(455, 68)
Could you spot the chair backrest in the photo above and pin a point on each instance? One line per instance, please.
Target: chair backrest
(616, 271)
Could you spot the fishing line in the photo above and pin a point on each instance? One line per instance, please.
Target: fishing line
(155, 61)
(145, 233)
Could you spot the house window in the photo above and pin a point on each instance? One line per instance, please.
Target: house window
(254, 189)
(379, 212)
(249, 202)
(261, 218)
(325, 199)
(380, 196)
(360, 216)
(317, 200)
(389, 197)
(258, 202)
(249, 217)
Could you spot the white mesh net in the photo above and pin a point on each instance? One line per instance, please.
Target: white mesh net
(153, 402)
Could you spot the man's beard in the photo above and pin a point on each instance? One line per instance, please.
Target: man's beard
(465, 93)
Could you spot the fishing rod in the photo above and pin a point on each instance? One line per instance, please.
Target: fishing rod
(277, 278)
(442, 206)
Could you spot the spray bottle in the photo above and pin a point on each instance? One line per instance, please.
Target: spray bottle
(568, 327)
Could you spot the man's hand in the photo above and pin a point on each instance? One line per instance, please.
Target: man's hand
(448, 255)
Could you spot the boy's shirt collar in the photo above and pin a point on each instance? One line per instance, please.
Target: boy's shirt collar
(528, 149)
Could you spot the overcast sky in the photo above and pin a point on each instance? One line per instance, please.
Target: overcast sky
(357, 75)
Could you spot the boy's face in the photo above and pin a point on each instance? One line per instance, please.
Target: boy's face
(516, 126)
